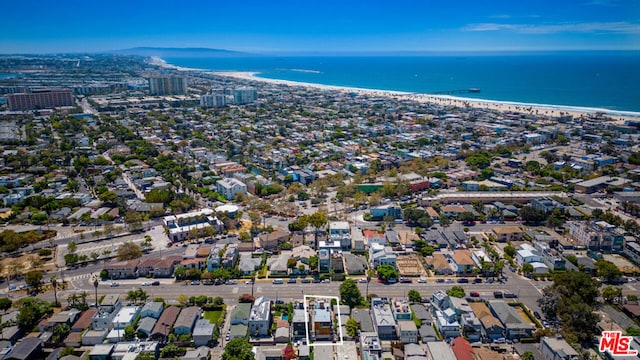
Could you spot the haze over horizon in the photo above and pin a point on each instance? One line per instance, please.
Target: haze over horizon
(322, 27)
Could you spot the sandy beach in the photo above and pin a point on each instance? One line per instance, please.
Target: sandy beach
(448, 100)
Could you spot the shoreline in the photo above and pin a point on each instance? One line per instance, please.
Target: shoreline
(445, 100)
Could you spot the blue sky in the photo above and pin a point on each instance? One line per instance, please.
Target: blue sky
(30, 26)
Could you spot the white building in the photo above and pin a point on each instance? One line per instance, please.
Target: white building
(229, 187)
(180, 225)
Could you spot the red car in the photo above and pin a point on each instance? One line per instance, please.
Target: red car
(475, 294)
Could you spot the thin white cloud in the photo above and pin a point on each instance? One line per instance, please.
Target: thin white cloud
(620, 27)
(500, 16)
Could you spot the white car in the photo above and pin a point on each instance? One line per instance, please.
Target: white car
(114, 284)
(146, 283)
(248, 282)
(422, 281)
(363, 280)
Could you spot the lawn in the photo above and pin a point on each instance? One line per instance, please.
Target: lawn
(212, 316)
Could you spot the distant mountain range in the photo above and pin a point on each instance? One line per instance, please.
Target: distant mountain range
(179, 52)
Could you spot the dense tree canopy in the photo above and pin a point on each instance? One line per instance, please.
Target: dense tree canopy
(350, 294)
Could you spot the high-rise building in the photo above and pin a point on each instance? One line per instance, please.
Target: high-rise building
(168, 85)
(245, 95)
(213, 100)
(39, 99)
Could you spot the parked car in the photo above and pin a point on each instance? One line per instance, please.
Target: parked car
(155, 283)
(463, 281)
(114, 284)
(497, 294)
(146, 283)
(477, 281)
(231, 282)
(249, 282)
(277, 281)
(292, 281)
(305, 281)
(449, 281)
(439, 280)
(363, 280)
(315, 281)
(509, 294)
(537, 315)
(195, 282)
(207, 282)
(422, 281)
(474, 294)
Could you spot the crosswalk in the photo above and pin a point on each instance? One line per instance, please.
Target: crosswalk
(235, 290)
(258, 289)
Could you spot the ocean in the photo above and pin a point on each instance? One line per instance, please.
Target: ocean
(608, 80)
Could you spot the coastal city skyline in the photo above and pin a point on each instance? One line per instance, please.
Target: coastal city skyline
(330, 27)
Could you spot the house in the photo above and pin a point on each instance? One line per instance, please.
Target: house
(272, 240)
(440, 264)
(515, 326)
(440, 350)
(382, 255)
(447, 324)
(101, 352)
(492, 328)
(383, 319)
(260, 317)
(122, 269)
(374, 237)
(507, 233)
(427, 333)
(461, 262)
(28, 349)
(146, 325)
(421, 313)
(247, 265)
(370, 347)
(355, 264)
(186, 320)
(340, 231)
(240, 314)
(462, 349)
(201, 353)
(363, 317)
(238, 331)
(165, 322)
(230, 187)
(400, 309)
(527, 254)
(203, 332)
(322, 323)
(152, 309)
(408, 332)
(298, 324)
(125, 317)
(222, 256)
(84, 321)
(557, 349)
(130, 350)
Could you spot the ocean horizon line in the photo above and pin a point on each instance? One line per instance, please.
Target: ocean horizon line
(256, 76)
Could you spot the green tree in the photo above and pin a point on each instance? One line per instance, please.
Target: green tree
(34, 279)
(386, 272)
(5, 304)
(350, 294)
(129, 251)
(527, 269)
(238, 349)
(60, 332)
(609, 293)
(317, 220)
(129, 332)
(527, 355)
(510, 250)
(313, 263)
(414, 296)
(608, 271)
(69, 350)
(456, 291)
(352, 327)
(632, 331)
